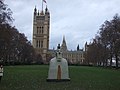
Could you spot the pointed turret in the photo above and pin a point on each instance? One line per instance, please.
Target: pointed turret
(35, 11)
(38, 13)
(47, 14)
(64, 40)
(78, 48)
(64, 46)
(86, 46)
(46, 11)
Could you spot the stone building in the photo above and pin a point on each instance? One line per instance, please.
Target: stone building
(41, 25)
(40, 40)
(73, 57)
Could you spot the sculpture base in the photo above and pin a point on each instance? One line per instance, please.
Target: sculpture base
(57, 80)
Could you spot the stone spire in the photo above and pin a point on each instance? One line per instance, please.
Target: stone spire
(86, 46)
(64, 46)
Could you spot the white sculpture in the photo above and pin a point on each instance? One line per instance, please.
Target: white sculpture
(58, 69)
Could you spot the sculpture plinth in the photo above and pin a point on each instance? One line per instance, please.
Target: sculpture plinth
(58, 69)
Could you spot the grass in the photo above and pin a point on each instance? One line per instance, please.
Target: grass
(33, 77)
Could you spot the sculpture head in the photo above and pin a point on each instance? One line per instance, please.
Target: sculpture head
(58, 53)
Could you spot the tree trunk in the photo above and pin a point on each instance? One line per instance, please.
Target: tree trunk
(106, 63)
(110, 60)
(116, 56)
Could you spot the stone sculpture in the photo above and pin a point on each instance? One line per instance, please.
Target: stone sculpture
(58, 69)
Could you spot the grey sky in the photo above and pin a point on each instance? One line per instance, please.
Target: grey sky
(78, 20)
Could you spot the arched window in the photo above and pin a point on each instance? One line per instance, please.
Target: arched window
(37, 43)
(42, 29)
(37, 30)
(41, 44)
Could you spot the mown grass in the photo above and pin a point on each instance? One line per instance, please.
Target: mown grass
(33, 77)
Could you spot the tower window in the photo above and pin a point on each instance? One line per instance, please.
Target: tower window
(40, 30)
(37, 30)
(39, 44)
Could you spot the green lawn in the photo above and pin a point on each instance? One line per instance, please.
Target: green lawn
(33, 77)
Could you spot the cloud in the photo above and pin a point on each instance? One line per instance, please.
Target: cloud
(78, 20)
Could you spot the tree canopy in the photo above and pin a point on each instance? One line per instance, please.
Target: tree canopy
(106, 44)
(14, 46)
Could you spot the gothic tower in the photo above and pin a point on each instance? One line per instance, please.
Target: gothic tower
(64, 46)
(41, 25)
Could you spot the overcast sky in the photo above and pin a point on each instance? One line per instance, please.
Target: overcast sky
(78, 20)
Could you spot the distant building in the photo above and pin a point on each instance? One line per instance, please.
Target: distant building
(40, 40)
(73, 57)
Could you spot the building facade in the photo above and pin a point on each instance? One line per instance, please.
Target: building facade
(40, 40)
(73, 57)
(41, 25)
